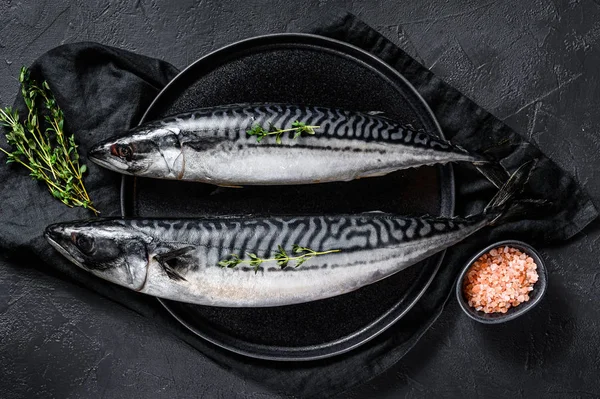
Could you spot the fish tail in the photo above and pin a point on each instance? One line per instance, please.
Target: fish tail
(492, 171)
(501, 208)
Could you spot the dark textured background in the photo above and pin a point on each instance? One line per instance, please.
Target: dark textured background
(535, 64)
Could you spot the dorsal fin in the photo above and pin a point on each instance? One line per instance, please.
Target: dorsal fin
(381, 114)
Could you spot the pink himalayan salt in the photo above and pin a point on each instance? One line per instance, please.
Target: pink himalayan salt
(499, 280)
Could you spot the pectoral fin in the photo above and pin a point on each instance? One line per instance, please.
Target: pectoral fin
(201, 143)
(168, 261)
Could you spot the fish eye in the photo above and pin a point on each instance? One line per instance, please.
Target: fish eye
(84, 243)
(123, 151)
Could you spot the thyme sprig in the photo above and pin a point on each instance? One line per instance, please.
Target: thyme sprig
(49, 154)
(302, 254)
(297, 127)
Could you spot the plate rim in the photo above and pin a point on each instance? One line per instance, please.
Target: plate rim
(446, 171)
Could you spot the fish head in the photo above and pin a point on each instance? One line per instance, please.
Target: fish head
(145, 151)
(107, 248)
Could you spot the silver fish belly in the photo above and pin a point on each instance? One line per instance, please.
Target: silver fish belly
(213, 146)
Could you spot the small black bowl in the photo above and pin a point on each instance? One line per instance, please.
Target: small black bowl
(539, 288)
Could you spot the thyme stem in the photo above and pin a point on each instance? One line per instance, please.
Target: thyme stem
(297, 127)
(281, 257)
(47, 154)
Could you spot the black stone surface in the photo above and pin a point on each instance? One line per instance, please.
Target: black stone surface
(534, 64)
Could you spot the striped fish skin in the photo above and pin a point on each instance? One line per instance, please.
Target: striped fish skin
(211, 145)
(372, 246)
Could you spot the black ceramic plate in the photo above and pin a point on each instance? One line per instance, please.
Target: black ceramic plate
(297, 68)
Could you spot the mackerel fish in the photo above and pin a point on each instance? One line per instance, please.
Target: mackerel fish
(245, 261)
(219, 145)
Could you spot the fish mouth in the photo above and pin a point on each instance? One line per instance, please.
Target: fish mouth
(98, 156)
(97, 152)
(52, 237)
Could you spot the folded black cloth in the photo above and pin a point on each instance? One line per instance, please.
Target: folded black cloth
(103, 90)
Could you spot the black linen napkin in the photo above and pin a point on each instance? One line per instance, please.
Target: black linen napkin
(103, 90)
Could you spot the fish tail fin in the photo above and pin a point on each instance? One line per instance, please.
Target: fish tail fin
(492, 171)
(502, 206)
